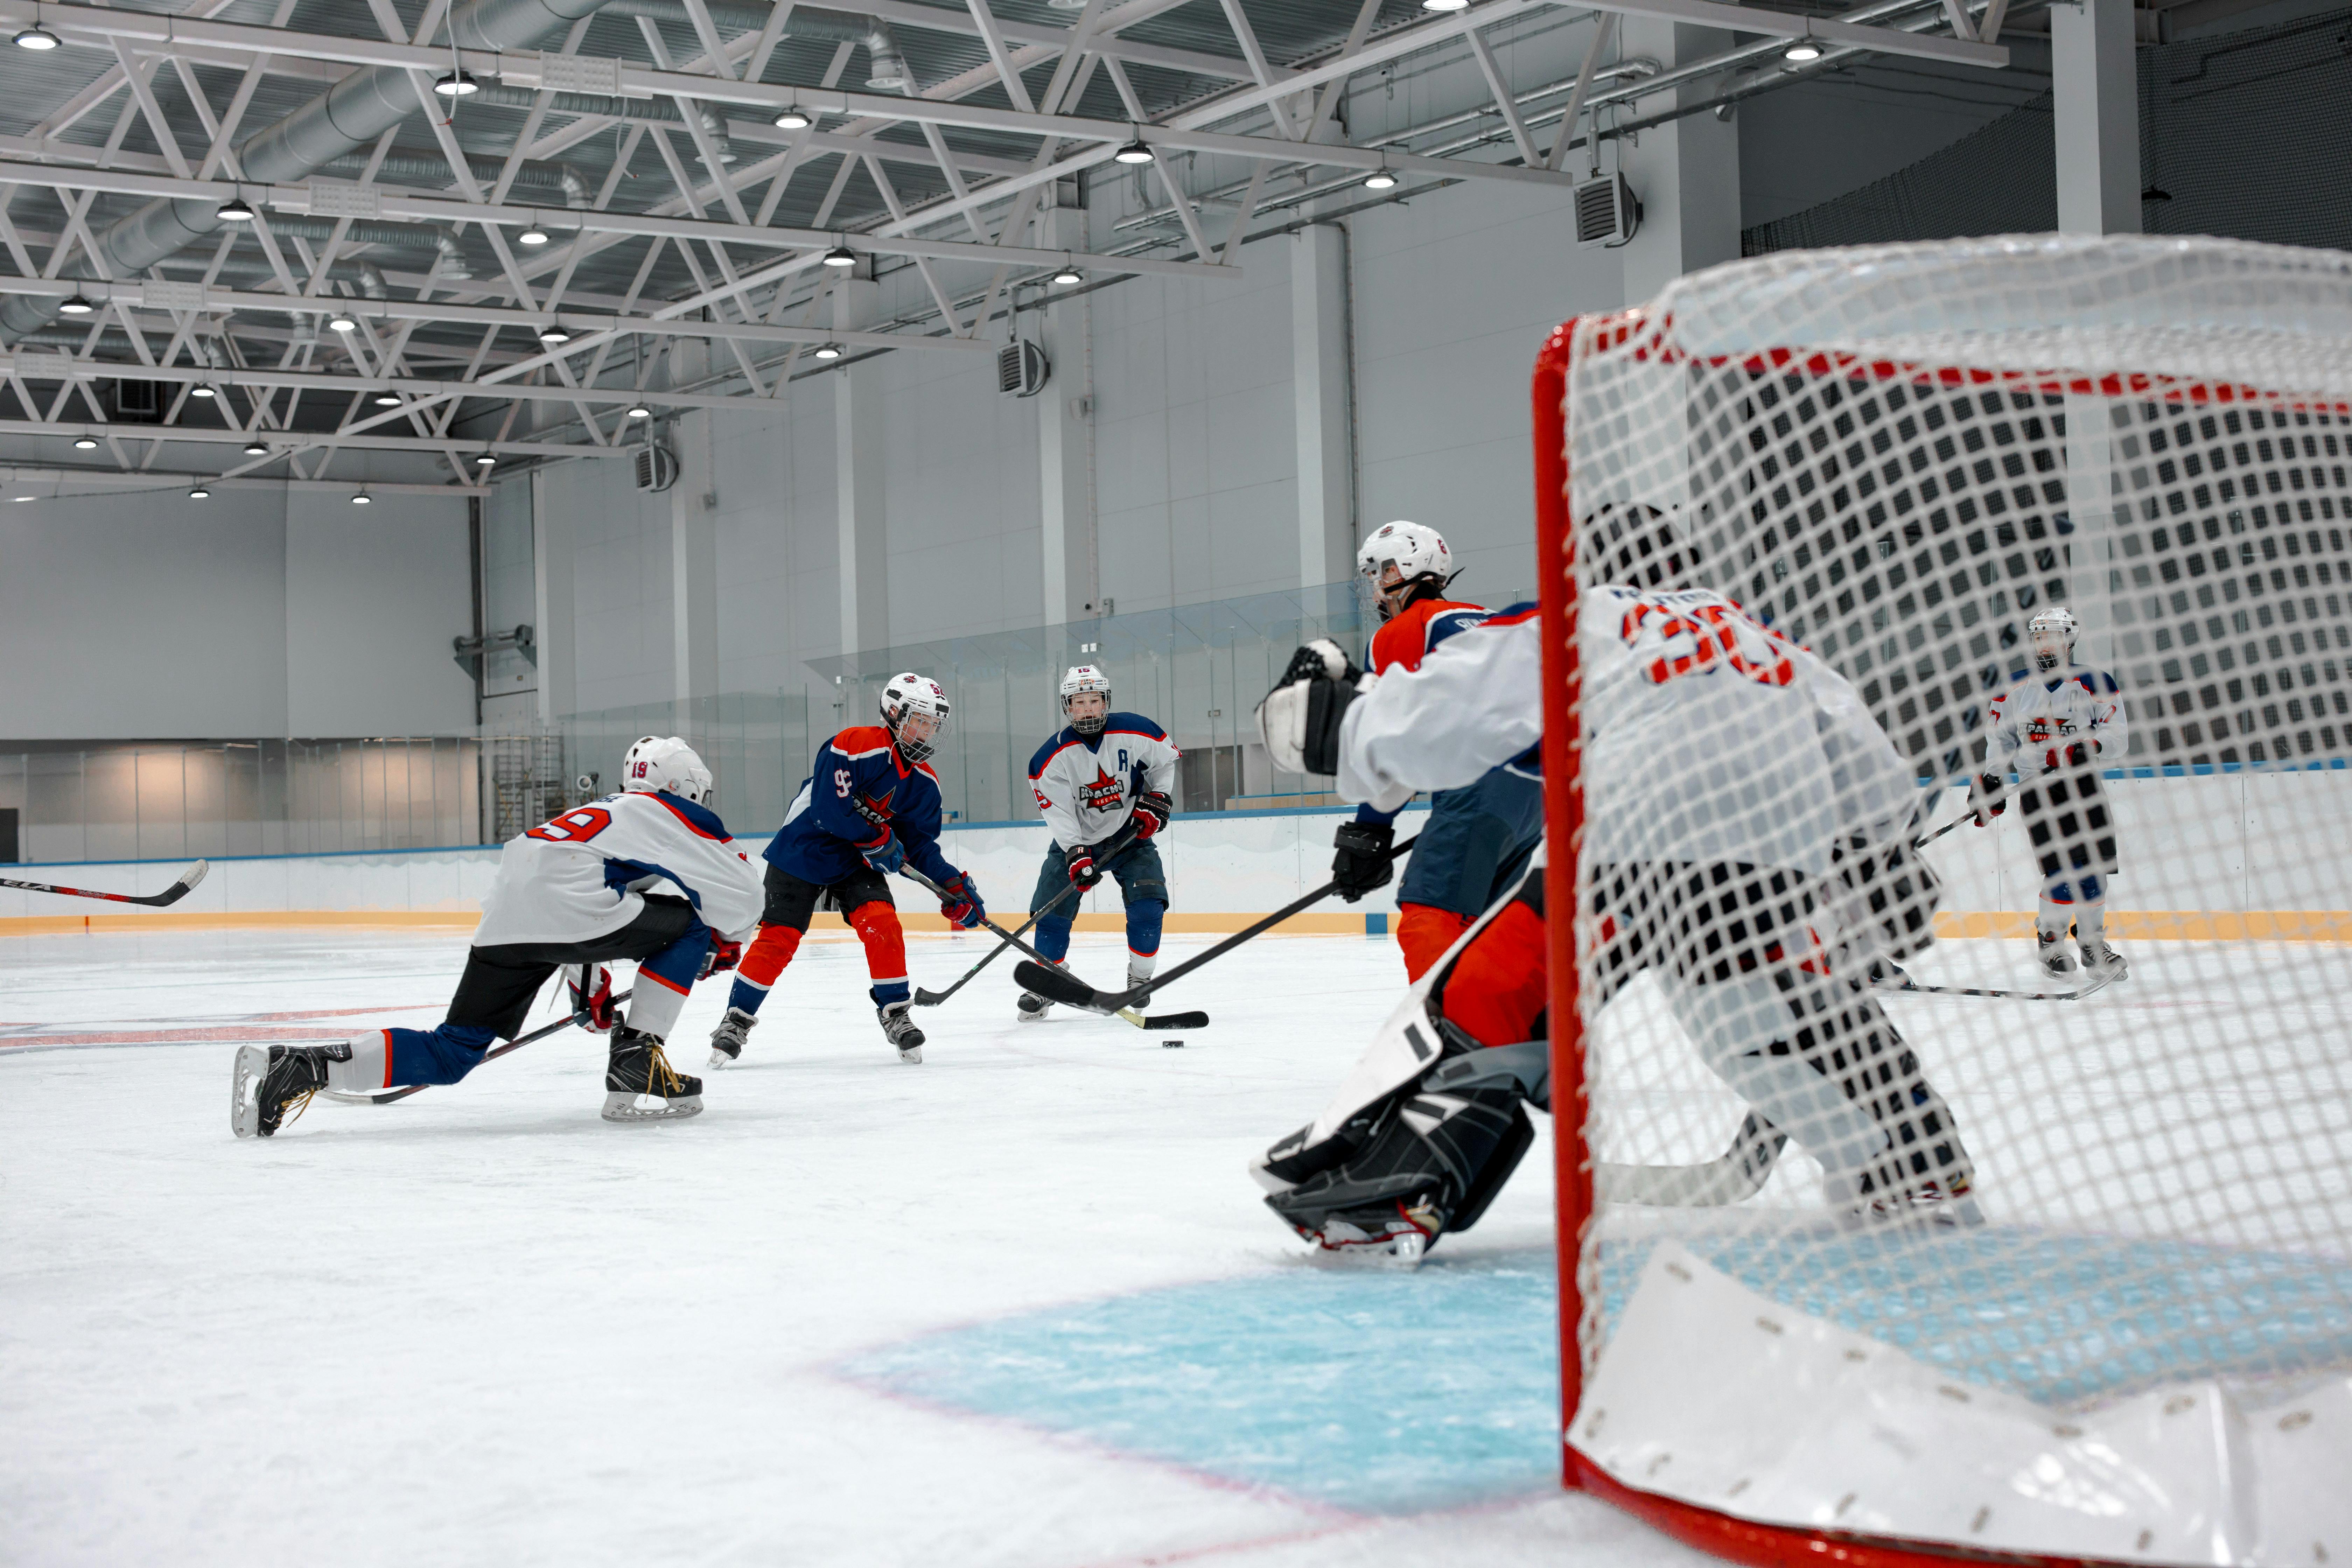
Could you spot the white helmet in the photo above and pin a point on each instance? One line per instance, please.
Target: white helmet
(660, 762)
(1398, 556)
(2052, 635)
(1086, 678)
(908, 694)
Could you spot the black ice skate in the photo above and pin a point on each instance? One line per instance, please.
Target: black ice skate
(728, 1040)
(270, 1080)
(2098, 958)
(901, 1029)
(2054, 957)
(638, 1068)
(1032, 1008)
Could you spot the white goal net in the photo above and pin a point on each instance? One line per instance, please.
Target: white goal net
(2037, 1238)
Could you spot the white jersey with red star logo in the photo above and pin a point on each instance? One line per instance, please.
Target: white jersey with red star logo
(1086, 784)
(2042, 713)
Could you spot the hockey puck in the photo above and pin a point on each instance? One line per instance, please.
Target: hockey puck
(1172, 1045)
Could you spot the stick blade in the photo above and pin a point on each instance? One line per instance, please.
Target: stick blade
(1056, 985)
(1176, 1021)
(188, 879)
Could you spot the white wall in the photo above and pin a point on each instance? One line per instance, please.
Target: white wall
(373, 597)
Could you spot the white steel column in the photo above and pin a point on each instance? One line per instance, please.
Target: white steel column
(1319, 403)
(694, 567)
(1685, 173)
(2096, 90)
(552, 608)
(858, 478)
(1066, 442)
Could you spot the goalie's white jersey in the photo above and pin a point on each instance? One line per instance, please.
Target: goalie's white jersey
(586, 873)
(1707, 737)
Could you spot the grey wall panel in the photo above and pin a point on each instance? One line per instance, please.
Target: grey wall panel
(373, 595)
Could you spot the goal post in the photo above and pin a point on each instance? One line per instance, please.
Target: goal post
(2063, 1280)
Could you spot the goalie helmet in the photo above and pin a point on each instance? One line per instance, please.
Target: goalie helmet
(1402, 562)
(2052, 635)
(907, 696)
(1086, 677)
(664, 763)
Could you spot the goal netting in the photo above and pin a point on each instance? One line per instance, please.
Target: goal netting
(1952, 1250)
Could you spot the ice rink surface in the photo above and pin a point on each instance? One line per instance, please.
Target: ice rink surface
(484, 1326)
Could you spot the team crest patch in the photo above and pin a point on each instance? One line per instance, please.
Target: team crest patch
(1105, 794)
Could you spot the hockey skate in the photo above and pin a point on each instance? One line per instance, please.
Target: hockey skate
(1032, 1008)
(1397, 1237)
(638, 1068)
(2100, 959)
(1926, 1202)
(728, 1040)
(269, 1081)
(901, 1030)
(2056, 960)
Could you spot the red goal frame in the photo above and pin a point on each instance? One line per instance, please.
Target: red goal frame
(1726, 1535)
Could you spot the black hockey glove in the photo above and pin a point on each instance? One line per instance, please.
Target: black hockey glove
(1084, 873)
(1299, 720)
(1152, 809)
(1362, 862)
(1885, 895)
(1987, 797)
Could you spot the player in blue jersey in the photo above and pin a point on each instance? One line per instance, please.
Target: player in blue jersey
(1101, 772)
(1478, 836)
(869, 806)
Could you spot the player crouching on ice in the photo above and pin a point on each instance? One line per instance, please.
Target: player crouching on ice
(1478, 838)
(1739, 799)
(869, 806)
(2057, 725)
(1101, 773)
(580, 890)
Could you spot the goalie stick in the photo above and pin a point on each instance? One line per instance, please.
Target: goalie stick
(933, 998)
(386, 1096)
(1043, 965)
(1734, 1176)
(1061, 985)
(1905, 985)
(171, 895)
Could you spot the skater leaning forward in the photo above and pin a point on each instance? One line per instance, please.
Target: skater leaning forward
(649, 874)
(1104, 777)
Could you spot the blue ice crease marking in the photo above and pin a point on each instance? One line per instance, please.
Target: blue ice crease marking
(1373, 1391)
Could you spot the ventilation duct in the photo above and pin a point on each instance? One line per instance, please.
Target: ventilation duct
(405, 167)
(885, 67)
(339, 121)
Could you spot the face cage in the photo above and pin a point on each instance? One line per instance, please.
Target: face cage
(1087, 727)
(2047, 656)
(913, 751)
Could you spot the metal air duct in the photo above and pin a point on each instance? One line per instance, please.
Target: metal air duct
(339, 121)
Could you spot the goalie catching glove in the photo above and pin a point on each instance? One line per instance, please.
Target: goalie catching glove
(1299, 720)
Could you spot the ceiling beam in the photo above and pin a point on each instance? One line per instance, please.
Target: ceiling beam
(206, 435)
(32, 366)
(23, 476)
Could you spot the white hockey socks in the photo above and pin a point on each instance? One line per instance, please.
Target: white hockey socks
(365, 1072)
(1734, 1024)
(2091, 922)
(2050, 920)
(1139, 967)
(654, 1007)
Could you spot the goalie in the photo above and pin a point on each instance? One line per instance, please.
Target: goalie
(1739, 799)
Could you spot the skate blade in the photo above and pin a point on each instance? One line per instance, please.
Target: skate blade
(245, 1090)
(622, 1106)
(1402, 1254)
(912, 1056)
(1021, 1017)
(719, 1058)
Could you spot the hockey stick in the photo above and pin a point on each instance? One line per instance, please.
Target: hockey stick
(385, 1097)
(1735, 1176)
(933, 998)
(1907, 985)
(1045, 965)
(1061, 985)
(171, 895)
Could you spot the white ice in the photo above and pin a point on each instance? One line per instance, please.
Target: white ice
(484, 1326)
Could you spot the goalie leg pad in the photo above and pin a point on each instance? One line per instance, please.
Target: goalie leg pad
(1433, 1163)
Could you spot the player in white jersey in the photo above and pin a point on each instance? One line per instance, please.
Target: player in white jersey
(1746, 839)
(2057, 726)
(649, 874)
(1100, 773)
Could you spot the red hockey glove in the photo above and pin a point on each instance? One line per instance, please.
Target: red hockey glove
(723, 954)
(590, 987)
(1152, 809)
(1083, 871)
(961, 906)
(884, 852)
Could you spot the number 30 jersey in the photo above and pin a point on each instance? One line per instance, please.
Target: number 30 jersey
(1707, 737)
(586, 873)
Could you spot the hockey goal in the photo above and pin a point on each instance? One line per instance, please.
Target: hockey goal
(2133, 1341)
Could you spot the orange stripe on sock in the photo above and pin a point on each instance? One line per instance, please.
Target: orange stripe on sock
(387, 1057)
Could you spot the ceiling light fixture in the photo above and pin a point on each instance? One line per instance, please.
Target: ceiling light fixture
(85, 443)
(486, 459)
(794, 118)
(77, 305)
(344, 322)
(387, 400)
(1445, 4)
(827, 351)
(1801, 51)
(1381, 179)
(1134, 151)
(554, 335)
(639, 411)
(362, 498)
(198, 492)
(202, 391)
(257, 447)
(534, 235)
(457, 84)
(841, 255)
(234, 210)
(1068, 275)
(38, 39)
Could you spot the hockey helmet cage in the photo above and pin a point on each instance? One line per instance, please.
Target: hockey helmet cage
(664, 763)
(1637, 545)
(1086, 677)
(2052, 635)
(1406, 560)
(906, 695)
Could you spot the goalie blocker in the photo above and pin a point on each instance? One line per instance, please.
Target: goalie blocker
(1762, 945)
